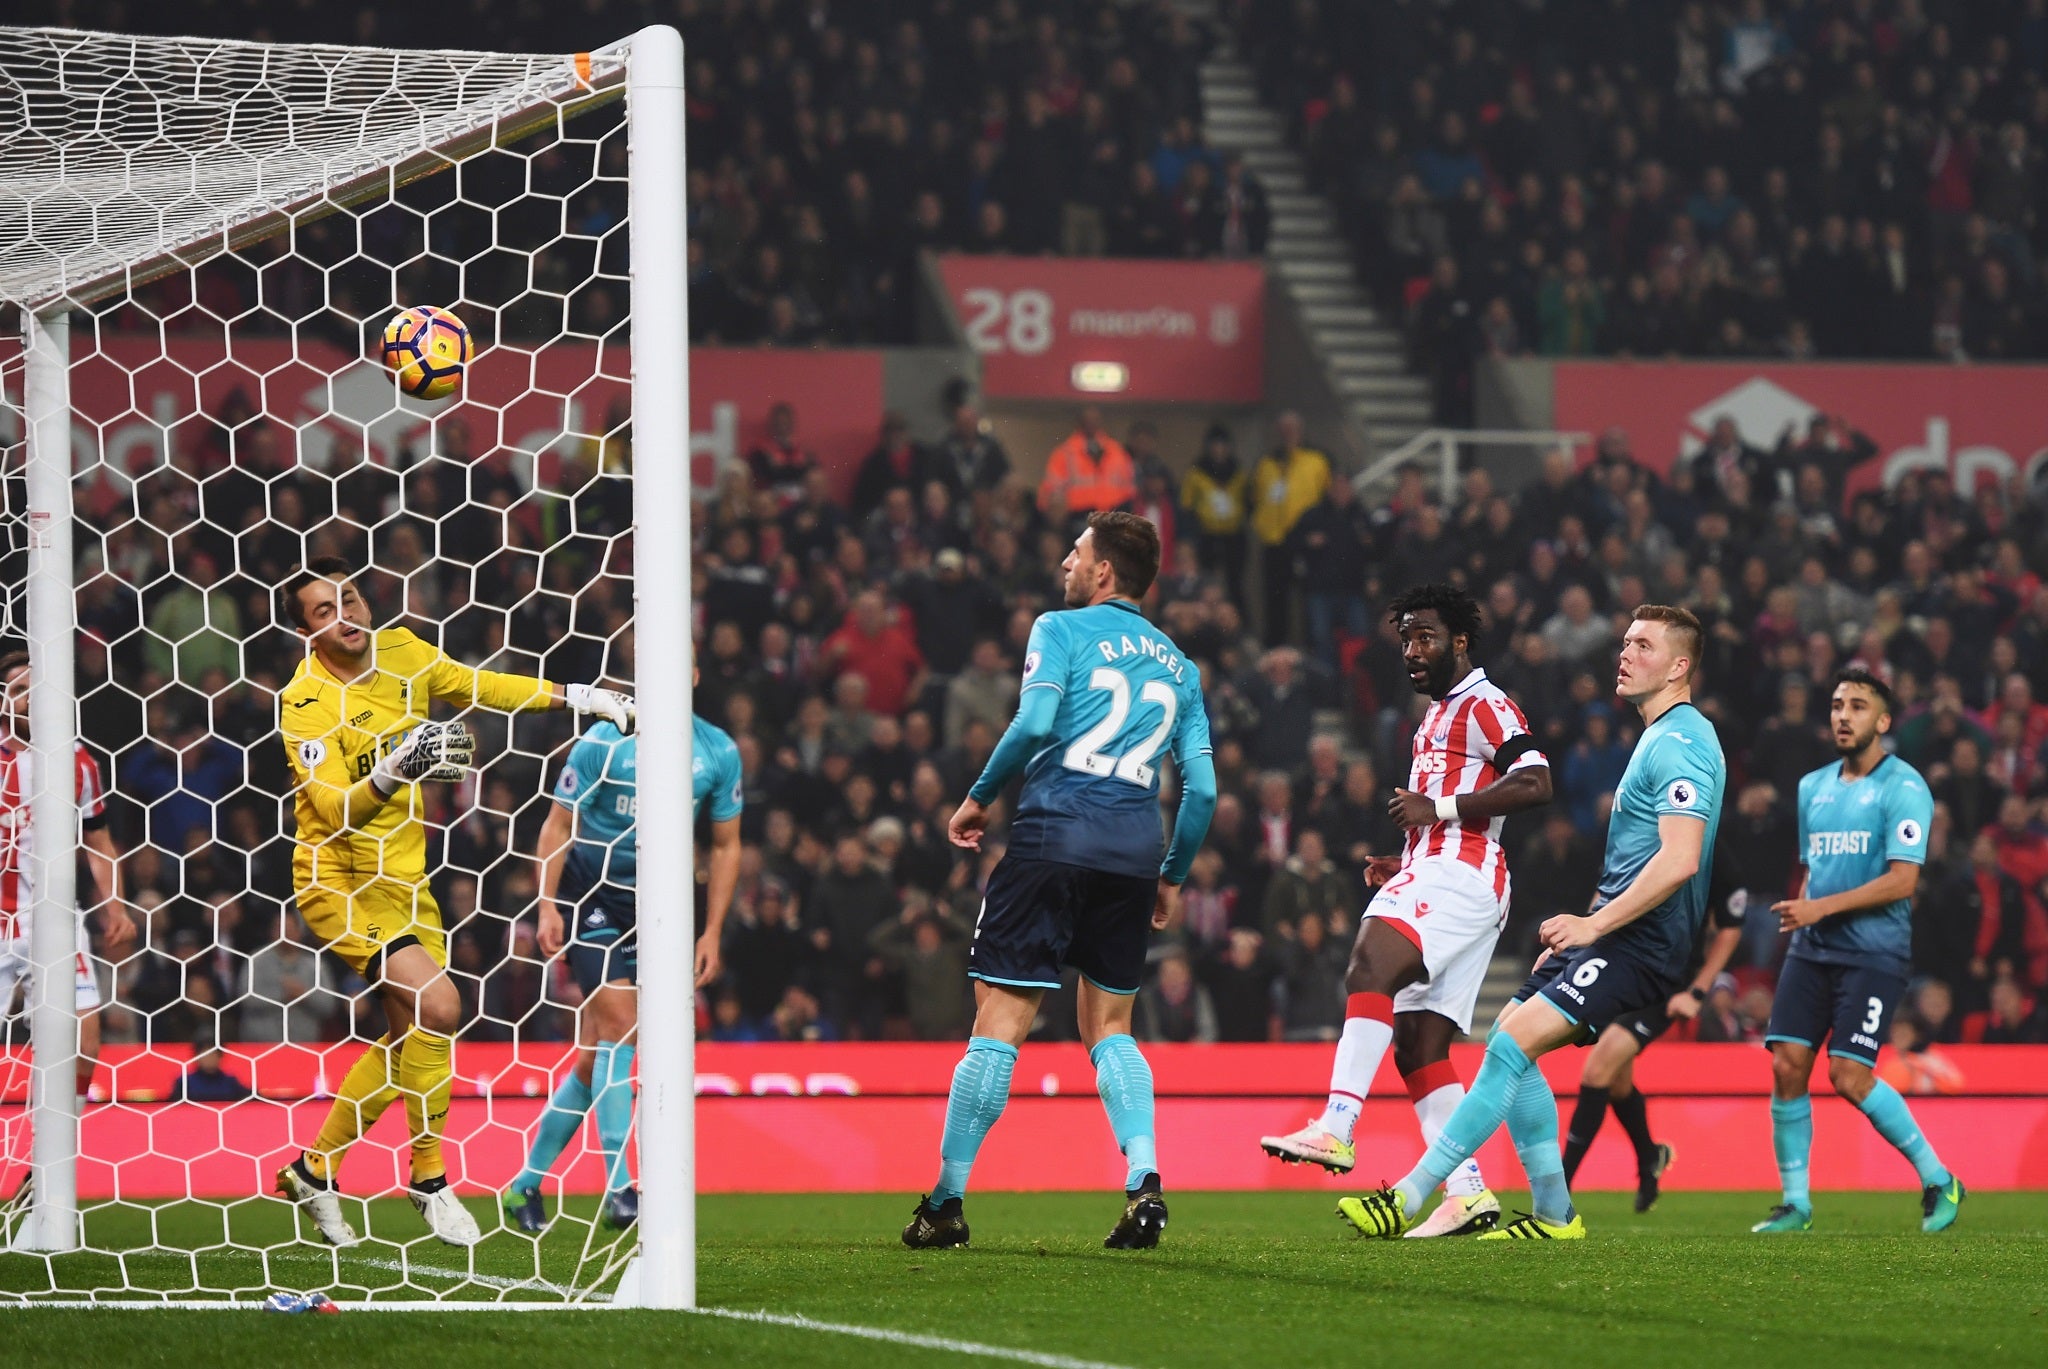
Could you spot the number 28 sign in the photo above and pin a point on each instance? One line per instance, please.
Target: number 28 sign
(1050, 328)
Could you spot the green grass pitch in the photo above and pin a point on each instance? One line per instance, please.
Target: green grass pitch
(1242, 1279)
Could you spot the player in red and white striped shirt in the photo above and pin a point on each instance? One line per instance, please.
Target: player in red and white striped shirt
(17, 891)
(1426, 940)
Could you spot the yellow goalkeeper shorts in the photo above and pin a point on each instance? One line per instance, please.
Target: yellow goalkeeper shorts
(363, 925)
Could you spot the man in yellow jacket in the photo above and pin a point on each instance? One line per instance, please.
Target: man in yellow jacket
(1287, 483)
(356, 733)
(1088, 473)
(1214, 492)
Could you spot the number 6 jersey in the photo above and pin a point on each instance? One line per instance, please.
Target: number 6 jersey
(1676, 770)
(1126, 694)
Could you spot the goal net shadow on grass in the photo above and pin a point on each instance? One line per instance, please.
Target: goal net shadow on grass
(226, 228)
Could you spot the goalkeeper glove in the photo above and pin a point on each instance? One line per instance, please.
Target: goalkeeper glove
(431, 751)
(615, 708)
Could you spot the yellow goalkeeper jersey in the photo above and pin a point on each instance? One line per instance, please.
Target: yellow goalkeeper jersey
(334, 734)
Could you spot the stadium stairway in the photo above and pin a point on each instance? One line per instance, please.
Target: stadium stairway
(1361, 352)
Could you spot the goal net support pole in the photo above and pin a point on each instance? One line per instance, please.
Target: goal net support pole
(661, 579)
(53, 935)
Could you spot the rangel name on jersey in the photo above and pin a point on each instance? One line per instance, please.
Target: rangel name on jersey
(1127, 693)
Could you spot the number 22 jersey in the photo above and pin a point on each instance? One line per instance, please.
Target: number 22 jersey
(1127, 693)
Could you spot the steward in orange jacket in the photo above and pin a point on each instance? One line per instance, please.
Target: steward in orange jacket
(1090, 472)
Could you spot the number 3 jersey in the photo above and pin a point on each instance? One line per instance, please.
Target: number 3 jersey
(1468, 739)
(599, 781)
(1126, 694)
(1850, 831)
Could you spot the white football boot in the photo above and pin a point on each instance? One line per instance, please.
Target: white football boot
(323, 1205)
(1311, 1146)
(1470, 1215)
(445, 1216)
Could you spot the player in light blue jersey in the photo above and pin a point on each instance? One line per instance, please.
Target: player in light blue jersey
(1105, 696)
(1862, 837)
(1627, 954)
(588, 854)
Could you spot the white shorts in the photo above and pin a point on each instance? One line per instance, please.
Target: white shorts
(17, 968)
(1449, 909)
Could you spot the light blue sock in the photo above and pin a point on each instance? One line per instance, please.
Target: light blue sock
(1532, 1122)
(559, 1123)
(1477, 1118)
(1792, 1138)
(1125, 1082)
(614, 1067)
(981, 1087)
(1894, 1121)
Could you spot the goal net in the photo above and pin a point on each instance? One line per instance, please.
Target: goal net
(201, 245)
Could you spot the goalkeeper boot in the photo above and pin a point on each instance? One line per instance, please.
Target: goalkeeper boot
(1383, 1214)
(1785, 1218)
(1467, 1214)
(522, 1206)
(622, 1209)
(1311, 1146)
(936, 1226)
(1530, 1227)
(1144, 1218)
(318, 1200)
(1939, 1204)
(444, 1213)
(1649, 1180)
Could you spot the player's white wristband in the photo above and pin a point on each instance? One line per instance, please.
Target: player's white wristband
(1447, 808)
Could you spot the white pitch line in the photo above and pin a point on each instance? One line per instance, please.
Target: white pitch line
(538, 1285)
(877, 1333)
(801, 1323)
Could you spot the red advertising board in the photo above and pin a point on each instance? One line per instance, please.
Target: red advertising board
(1976, 422)
(132, 399)
(880, 1109)
(1054, 328)
(890, 1144)
(484, 1069)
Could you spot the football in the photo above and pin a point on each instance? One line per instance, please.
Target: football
(427, 349)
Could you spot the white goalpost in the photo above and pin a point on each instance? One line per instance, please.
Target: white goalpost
(201, 241)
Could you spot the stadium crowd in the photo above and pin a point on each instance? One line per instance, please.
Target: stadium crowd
(826, 157)
(1747, 178)
(863, 650)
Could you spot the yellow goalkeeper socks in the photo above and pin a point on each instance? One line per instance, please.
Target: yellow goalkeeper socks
(365, 1092)
(425, 1072)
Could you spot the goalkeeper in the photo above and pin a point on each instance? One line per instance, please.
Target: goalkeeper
(355, 730)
